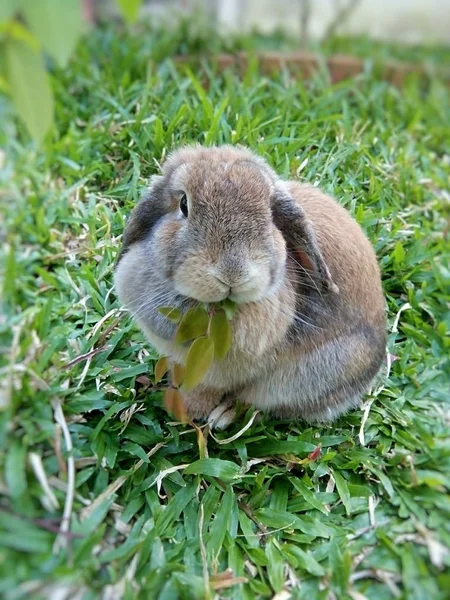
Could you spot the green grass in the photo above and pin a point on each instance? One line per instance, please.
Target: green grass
(370, 517)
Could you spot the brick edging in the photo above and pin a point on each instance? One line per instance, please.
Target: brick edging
(304, 64)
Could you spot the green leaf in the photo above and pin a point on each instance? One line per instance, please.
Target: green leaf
(175, 507)
(275, 566)
(16, 31)
(432, 478)
(136, 450)
(129, 9)
(220, 332)
(269, 447)
(384, 480)
(86, 547)
(93, 521)
(8, 8)
(209, 502)
(308, 495)
(57, 25)
(229, 307)
(22, 535)
(194, 324)
(340, 561)
(198, 362)
(248, 529)
(9, 274)
(33, 544)
(132, 508)
(305, 560)
(215, 467)
(398, 254)
(173, 314)
(189, 586)
(3, 84)
(158, 558)
(129, 372)
(177, 374)
(280, 519)
(15, 469)
(29, 87)
(221, 521)
(343, 490)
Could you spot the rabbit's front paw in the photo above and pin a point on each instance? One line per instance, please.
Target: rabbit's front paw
(222, 416)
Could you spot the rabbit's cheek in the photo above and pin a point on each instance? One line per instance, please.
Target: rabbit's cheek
(279, 245)
(278, 262)
(166, 233)
(165, 243)
(130, 273)
(256, 287)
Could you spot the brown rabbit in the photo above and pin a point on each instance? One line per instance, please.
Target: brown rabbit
(309, 332)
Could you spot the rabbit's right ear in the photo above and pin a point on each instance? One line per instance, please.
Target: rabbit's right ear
(145, 215)
(299, 234)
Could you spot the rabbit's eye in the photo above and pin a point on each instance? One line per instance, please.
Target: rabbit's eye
(184, 205)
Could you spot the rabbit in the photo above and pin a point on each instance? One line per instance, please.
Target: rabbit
(309, 331)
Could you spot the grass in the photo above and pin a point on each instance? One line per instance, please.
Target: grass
(368, 516)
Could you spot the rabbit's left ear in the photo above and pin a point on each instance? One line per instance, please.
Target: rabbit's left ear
(299, 234)
(145, 215)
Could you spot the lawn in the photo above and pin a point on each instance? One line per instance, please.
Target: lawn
(357, 510)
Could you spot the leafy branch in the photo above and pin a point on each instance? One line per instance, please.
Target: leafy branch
(208, 331)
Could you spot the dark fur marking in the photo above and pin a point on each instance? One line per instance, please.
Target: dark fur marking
(143, 218)
(298, 232)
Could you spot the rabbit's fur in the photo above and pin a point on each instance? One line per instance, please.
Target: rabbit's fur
(309, 332)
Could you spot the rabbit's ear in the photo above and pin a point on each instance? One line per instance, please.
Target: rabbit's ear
(145, 214)
(299, 234)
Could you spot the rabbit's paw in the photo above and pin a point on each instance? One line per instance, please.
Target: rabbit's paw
(222, 416)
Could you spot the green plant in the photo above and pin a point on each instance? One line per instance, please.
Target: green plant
(30, 32)
(208, 331)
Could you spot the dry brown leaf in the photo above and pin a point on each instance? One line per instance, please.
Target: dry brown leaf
(173, 402)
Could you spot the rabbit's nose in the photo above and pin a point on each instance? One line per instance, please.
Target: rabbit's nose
(232, 276)
(232, 270)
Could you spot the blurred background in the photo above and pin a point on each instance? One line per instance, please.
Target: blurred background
(409, 21)
(36, 37)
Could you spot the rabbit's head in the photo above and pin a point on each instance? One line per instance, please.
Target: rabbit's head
(218, 223)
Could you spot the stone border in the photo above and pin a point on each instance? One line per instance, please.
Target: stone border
(305, 64)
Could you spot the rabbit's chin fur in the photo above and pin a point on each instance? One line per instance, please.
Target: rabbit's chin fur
(309, 329)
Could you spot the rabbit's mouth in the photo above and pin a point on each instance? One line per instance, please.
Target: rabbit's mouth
(240, 289)
(246, 292)
(237, 295)
(249, 292)
(211, 289)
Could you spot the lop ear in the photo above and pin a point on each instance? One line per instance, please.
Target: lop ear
(299, 234)
(144, 216)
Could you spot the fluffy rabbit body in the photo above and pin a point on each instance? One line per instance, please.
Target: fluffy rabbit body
(309, 330)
